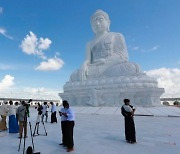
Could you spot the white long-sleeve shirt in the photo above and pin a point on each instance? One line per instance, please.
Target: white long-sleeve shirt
(12, 109)
(127, 108)
(53, 108)
(63, 118)
(4, 110)
(70, 114)
(44, 109)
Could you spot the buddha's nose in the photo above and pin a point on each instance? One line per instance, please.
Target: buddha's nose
(97, 22)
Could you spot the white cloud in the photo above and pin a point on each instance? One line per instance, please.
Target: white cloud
(44, 43)
(6, 83)
(155, 47)
(51, 64)
(1, 10)
(40, 93)
(32, 45)
(169, 79)
(4, 33)
(31, 93)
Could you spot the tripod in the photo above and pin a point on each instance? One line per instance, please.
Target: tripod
(36, 128)
(24, 123)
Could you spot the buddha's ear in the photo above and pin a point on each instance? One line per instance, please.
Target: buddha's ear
(108, 28)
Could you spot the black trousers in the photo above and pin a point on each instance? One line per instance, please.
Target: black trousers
(53, 117)
(130, 132)
(69, 126)
(64, 130)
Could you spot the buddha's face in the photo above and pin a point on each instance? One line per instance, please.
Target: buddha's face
(99, 24)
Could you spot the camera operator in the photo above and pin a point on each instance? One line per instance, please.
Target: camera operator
(44, 111)
(22, 117)
(39, 109)
(27, 107)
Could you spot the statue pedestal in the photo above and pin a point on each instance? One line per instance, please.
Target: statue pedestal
(140, 89)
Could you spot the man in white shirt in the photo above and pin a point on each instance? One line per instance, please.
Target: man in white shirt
(69, 125)
(13, 125)
(53, 113)
(63, 126)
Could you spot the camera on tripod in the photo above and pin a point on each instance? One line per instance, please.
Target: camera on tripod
(36, 129)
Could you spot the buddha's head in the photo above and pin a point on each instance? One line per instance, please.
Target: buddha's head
(100, 22)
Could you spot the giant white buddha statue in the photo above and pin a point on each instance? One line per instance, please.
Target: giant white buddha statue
(107, 77)
(106, 54)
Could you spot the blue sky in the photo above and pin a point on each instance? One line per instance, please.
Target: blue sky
(151, 29)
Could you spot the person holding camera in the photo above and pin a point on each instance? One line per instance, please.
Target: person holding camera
(68, 126)
(44, 111)
(63, 126)
(39, 109)
(127, 111)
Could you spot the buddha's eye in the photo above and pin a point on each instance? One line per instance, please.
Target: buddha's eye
(100, 19)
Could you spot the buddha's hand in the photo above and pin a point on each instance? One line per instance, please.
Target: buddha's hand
(84, 70)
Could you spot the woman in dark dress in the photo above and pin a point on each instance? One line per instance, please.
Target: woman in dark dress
(127, 111)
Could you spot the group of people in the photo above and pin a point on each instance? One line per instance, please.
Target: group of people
(18, 115)
(67, 121)
(43, 112)
(17, 118)
(11, 111)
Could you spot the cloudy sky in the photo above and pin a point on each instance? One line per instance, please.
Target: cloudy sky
(42, 42)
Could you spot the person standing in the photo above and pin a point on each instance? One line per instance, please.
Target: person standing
(39, 109)
(16, 105)
(127, 111)
(13, 125)
(63, 126)
(53, 113)
(44, 111)
(69, 126)
(3, 113)
(22, 117)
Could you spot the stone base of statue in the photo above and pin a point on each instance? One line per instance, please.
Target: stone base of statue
(112, 90)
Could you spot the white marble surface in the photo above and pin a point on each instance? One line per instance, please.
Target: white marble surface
(104, 134)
